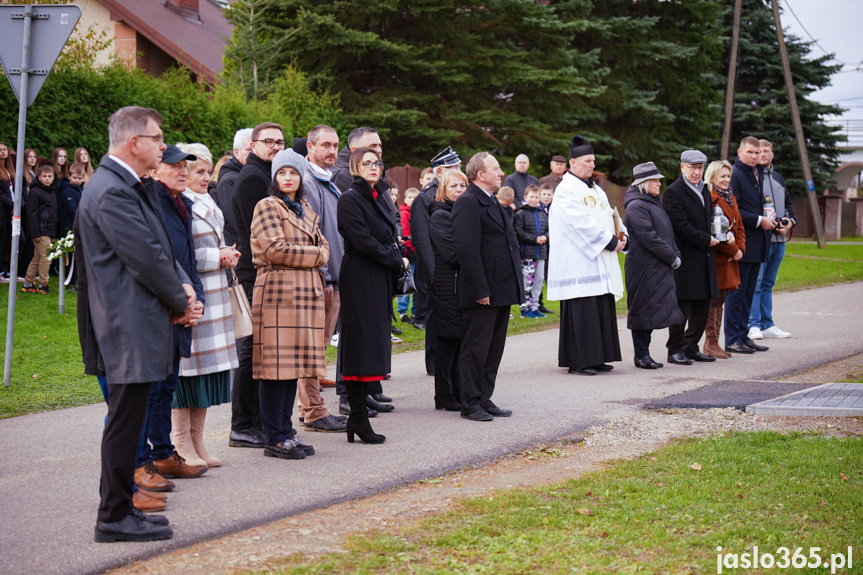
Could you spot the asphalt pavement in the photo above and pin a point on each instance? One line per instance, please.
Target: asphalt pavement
(49, 462)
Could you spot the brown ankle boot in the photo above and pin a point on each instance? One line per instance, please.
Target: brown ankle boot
(197, 416)
(711, 333)
(180, 422)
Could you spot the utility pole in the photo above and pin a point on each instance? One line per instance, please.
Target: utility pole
(732, 80)
(798, 129)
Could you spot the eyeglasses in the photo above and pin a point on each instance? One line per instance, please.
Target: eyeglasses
(271, 143)
(368, 163)
(695, 167)
(158, 138)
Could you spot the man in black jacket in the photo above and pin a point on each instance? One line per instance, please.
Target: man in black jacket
(228, 174)
(687, 202)
(419, 228)
(746, 183)
(520, 180)
(490, 282)
(250, 188)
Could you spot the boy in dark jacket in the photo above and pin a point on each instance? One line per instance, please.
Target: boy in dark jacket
(531, 229)
(69, 196)
(42, 225)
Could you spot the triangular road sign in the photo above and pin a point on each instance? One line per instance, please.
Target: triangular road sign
(50, 29)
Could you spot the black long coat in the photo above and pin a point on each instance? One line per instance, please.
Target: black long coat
(651, 251)
(249, 189)
(690, 218)
(750, 201)
(366, 279)
(487, 251)
(419, 224)
(447, 311)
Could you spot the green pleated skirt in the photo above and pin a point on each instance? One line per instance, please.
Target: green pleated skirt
(203, 390)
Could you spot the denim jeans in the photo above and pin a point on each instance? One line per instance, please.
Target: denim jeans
(157, 428)
(761, 314)
(405, 300)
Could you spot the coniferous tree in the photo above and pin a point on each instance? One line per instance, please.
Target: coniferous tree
(761, 106)
(497, 75)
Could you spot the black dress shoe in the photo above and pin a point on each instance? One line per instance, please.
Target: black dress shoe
(155, 519)
(496, 411)
(477, 415)
(447, 403)
(379, 407)
(647, 362)
(582, 370)
(749, 343)
(246, 438)
(130, 528)
(326, 424)
(339, 418)
(603, 367)
(396, 331)
(381, 398)
(345, 409)
(738, 347)
(544, 309)
(698, 356)
(679, 359)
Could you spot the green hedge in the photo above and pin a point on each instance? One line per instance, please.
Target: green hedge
(73, 106)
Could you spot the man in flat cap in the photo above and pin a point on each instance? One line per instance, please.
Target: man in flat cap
(584, 272)
(419, 226)
(688, 205)
(558, 169)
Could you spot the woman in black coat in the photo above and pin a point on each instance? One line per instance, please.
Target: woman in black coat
(650, 259)
(447, 312)
(371, 259)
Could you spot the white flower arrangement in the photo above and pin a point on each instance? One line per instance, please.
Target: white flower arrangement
(62, 246)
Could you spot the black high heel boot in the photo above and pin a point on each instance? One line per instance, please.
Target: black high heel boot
(358, 420)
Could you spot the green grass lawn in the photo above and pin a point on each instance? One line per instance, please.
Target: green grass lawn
(663, 513)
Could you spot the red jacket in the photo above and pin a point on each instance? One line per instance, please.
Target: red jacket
(405, 214)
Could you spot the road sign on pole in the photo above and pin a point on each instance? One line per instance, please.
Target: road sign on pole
(32, 36)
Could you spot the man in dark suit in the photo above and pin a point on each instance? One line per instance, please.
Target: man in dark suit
(687, 202)
(747, 179)
(135, 291)
(489, 283)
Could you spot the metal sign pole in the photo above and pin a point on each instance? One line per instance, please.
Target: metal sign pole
(16, 217)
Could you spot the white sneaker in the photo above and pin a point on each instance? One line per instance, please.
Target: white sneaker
(755, 333)
(395, 339)
(774, 331)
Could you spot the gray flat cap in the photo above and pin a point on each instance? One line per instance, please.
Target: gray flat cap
(693, 157)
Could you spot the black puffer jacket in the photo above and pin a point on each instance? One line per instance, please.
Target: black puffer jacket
(447, 311)
(529, 224)
(42, 211)
(650, 255)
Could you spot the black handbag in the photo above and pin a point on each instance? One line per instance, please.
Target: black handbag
(403, 282)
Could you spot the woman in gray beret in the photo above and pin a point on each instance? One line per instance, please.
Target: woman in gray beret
(650, 259)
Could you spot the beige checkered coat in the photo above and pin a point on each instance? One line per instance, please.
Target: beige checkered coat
(288, 300)
(213, 348)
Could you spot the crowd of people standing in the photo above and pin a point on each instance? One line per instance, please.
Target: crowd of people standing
(312, 235)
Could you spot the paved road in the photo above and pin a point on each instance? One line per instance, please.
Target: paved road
(49, 462)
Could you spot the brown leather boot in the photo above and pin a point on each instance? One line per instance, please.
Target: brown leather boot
(154, 494)
(711, 334)
(197, 417)
(180, 429)
(175, 467)
(148, 477)
(147, 504)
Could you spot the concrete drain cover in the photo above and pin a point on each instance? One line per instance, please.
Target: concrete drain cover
(828, 400)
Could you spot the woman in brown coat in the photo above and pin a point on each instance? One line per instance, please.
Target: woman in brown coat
(288, 249)
(726, 255)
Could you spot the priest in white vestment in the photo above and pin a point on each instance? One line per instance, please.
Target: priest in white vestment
(584, 272)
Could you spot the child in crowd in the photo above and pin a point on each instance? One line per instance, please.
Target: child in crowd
(426, 176)
(69, 195)
(61, 164)
(405, 212)
(82, 158)
(42, 225)
(546, 194)
(506, 197)
(531, 229)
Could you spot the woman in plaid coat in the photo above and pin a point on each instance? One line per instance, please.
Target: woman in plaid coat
(288, 250)
(205, 376)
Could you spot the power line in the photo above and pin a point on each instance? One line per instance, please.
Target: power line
(790, 9)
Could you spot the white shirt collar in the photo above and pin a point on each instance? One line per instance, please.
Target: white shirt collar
(124, 165)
